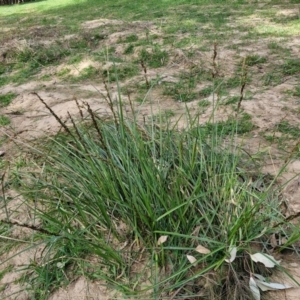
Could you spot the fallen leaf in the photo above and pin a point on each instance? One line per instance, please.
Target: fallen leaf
(260, 277)
(162, 239)
(254, 289)
(266, 259)
(202, 250)
(269, 286)
(60, 265)
(273, 240)
(232, 252)
(191, 259)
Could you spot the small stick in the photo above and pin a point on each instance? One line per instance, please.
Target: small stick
(77, 132)
(244, 80)
(96, 126)
(145, 73)
(32, 227)
(110, 102)
(79, 108)
(54, 114)
(215, 66)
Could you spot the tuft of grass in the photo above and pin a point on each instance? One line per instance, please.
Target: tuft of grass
(296, 92)
(252, 60)
(241, 125)
(129, 49)
(204, 103)
(232, 100)
(88, 73)
(151, 181)
(182, 91)
(6, 99)
(121, 72)
(207, 91)
(285, 127)
(291, 67)
(129, 39)
(63, 72)
(155, 57)
(4, 120)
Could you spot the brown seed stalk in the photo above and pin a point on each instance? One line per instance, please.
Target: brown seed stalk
(145, 74)
(54, 114)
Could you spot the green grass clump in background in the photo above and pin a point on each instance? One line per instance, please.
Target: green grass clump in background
(286, 128)
(4, 120)
(6, 99)
(253, 60)
(291, 67)
(155, 58)
(296, 92)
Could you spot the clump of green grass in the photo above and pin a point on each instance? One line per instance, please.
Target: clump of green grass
(240, 125)
(121, 72)
(272, 79)
(6, 99)
(232, 100)
(233, 82)
(63, 72)
(207, 91)
(204, 103)
(155, 181)
(296, 92)
(40, 55)
(155, 58)
(252, 60)
(182, 91)
(129, 49)
(285, 127)
(88, 73)
(4, 120)
(129, 39)
(291, 67)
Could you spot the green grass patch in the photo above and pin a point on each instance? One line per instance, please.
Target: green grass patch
(207, 91)
(204, 103)
(286, 128)
(4, 120)
(291, 67)
(6, 99)
(182, 91)
(252, 60)
(129, 39)
(296, 92)
(154, 58)
(129, 49)
(241, 125)
(232, 100)
(121, 72)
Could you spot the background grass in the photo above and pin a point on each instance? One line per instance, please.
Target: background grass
(108, 190)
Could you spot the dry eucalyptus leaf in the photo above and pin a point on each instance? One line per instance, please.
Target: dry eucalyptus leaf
(254, 289)
(162, 239)
(269, 286)
(191, 259)
(268, 260)
(232, 252)
(202, 250)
